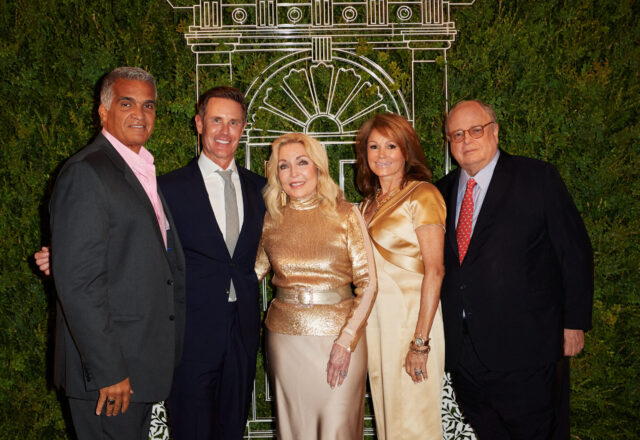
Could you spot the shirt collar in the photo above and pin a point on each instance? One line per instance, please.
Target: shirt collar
(208, 167)
(144, 157)
(482, 177)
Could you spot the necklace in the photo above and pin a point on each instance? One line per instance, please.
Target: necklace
(383, 200)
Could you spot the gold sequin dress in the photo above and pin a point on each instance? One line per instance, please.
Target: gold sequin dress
(403, 410)
(315, 259)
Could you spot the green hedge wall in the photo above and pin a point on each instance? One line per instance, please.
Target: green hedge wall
(563, 77)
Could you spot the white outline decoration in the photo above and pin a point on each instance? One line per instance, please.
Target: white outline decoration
(308, 37)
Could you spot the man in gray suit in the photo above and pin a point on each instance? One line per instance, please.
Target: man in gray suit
(118, 268)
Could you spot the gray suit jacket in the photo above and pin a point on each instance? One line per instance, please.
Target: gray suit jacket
(121, 294)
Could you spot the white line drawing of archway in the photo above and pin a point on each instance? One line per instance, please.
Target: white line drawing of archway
(292, 94)
(305, 36)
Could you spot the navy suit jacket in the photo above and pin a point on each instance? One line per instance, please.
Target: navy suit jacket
(528, 272)
(210, 268)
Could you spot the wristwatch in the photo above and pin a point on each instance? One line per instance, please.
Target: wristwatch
(419, 341)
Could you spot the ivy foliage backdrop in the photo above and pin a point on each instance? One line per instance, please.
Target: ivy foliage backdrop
(562, 75)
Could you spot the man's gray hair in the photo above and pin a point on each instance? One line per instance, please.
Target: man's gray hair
(129, 73)
(487, 108)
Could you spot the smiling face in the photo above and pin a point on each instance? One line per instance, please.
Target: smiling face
(220, 130)
(297, 174)
(472, 154)
(385, 158)
(132, 114)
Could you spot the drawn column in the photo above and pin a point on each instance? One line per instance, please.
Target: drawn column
(432, 12)
(266, 13)
(322, 13)
(210, 14)
(378, 12)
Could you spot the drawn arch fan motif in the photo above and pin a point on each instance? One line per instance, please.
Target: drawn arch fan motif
(328, 101)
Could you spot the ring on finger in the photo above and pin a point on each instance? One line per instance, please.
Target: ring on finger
(343, 374)
(418, 372)
(111, 401)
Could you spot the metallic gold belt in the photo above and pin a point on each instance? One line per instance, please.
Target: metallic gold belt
(309, 296)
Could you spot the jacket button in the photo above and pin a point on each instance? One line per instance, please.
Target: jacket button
(232, 264)
(172, 317)
(170, 282)
(463, 286)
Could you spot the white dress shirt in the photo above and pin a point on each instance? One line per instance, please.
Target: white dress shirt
(214, 184)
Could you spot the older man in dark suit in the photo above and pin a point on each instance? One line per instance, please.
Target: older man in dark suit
(119, 271)
(518, 289)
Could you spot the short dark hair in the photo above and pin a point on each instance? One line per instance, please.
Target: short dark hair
(400, 131)
(222, 92)
(486, 107)
(129, 73)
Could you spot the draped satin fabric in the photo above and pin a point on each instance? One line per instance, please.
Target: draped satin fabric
(403, 410)
(306, 407)
(311, 251)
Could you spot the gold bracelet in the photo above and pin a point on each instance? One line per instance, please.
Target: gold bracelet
(425, 349)
(425, 352)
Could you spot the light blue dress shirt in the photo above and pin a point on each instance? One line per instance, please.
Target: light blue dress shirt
(483, 179)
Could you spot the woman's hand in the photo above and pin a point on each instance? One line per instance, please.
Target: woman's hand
(415, 364)
(338, 365)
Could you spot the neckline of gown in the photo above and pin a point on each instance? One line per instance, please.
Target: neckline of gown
(392, 202)
(304, 204)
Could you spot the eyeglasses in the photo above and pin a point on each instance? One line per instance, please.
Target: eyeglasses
(475, 132)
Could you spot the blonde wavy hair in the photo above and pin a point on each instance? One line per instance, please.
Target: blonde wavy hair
(329, 193)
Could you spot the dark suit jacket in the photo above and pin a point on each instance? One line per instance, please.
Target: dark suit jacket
(121, 293)
(210, 268)
(528, 272)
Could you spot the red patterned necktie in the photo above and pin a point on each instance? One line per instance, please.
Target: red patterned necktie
(465, 220)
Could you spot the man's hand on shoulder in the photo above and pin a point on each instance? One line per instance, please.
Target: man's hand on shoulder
(573, 341)
(116, 397)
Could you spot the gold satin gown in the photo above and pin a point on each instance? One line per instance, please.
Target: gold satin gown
(403, 410)
(315, 260)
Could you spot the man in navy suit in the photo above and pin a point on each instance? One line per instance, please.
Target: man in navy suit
(518, 289)
(212, 386)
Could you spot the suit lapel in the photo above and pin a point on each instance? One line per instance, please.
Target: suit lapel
(202, 206)
(249, 194)
(134, 183)
(452, 197)
(498, 186)
(172, 235)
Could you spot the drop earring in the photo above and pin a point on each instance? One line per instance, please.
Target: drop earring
(283, 198)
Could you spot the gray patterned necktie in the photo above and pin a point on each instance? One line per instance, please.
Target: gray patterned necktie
(231, 211)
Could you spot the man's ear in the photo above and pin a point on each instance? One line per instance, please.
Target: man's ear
(102, 112)
(199, 124)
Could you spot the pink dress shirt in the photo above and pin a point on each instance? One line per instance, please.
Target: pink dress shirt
(142, 166)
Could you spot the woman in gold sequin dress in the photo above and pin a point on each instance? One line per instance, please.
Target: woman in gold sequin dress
(405, 338)
(317, 245)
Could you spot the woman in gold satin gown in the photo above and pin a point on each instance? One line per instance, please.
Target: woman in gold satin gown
(405, 338)
(317, 245)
